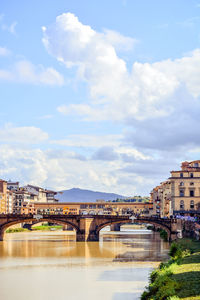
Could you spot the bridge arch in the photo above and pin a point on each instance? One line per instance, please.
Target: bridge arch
(108, 223)
(6, 225)
(141, 221)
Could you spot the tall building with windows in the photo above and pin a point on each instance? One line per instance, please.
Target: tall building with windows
(185, 189)
(161, 198)
(10, 201)
(3, 196)
(180, 194)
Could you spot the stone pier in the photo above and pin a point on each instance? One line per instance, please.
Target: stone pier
(176, 229)
(87, 230)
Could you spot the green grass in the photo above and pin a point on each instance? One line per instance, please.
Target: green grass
(47, 227)
(41, 227)
(11, 230)
(179, 278)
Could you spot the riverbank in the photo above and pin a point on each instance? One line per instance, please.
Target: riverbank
(41, 227)
(179, 278)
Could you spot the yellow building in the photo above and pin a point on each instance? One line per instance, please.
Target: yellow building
(84, 208)
(185, 188)
(3, 197)
(180, 194)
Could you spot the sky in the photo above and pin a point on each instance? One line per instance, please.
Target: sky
(100, 95)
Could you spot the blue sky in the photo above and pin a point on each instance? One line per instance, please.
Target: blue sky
(102, 95)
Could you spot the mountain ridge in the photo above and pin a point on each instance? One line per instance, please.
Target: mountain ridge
(82, 195)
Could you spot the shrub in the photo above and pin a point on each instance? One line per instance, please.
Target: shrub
(163, 235)
(175, 251)
(153, 276)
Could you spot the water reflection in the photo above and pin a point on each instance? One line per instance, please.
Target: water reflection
(116, 267)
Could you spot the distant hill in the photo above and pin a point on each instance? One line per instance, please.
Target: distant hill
(79, 195)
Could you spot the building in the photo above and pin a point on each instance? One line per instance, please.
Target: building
(51, 196)
(12, 186)
(39, 192)
(27, 208)
(161, 198)
(84, 208)
(166, 204)
(155, 198)
(10, 201)
(21, 196)
(180, 194)
(3, 196)
(185, 189)
(41, 195)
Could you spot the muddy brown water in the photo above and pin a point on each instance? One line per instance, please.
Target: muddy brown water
(53, 266)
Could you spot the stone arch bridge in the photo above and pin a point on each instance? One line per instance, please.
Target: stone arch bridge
(88, 226)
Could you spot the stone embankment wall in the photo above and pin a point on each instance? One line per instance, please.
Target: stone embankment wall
(191, 229)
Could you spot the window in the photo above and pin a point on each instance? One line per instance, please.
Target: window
(192, 204)
(182, 183)
(83, 206)
(196, 165)
(181, 204)
(181, 193)
(191, 193)
(191, 183)
(181, 174)
(191, 175)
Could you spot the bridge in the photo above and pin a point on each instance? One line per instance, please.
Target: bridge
(88, 226)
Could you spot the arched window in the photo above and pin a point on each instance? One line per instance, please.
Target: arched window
(181, 183)
(191, 175)
(181, 204)
(192, 204)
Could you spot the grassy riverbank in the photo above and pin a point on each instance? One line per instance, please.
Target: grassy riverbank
(12, 230)
(41, 227)
(47, 227)
(179, 278)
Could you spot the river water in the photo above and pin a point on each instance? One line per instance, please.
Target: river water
(52, 266)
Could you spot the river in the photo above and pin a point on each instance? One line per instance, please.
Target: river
(53, 266)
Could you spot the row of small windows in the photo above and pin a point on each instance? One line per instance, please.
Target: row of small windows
(182, 193)
(182, 183)
(191, 175)
(182, 205)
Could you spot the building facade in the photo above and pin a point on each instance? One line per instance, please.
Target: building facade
(85, 208)
(185, 189)
(180, 194)
(10, 201)
(3, 197)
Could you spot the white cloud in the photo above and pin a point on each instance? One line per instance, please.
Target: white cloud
(24, 135)
(10, 28)
(94, 141)
(25, 72)
(4, 51)
(103, 147)
(62, 170)
(118, 41)
(159, 101)
(116, 93)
